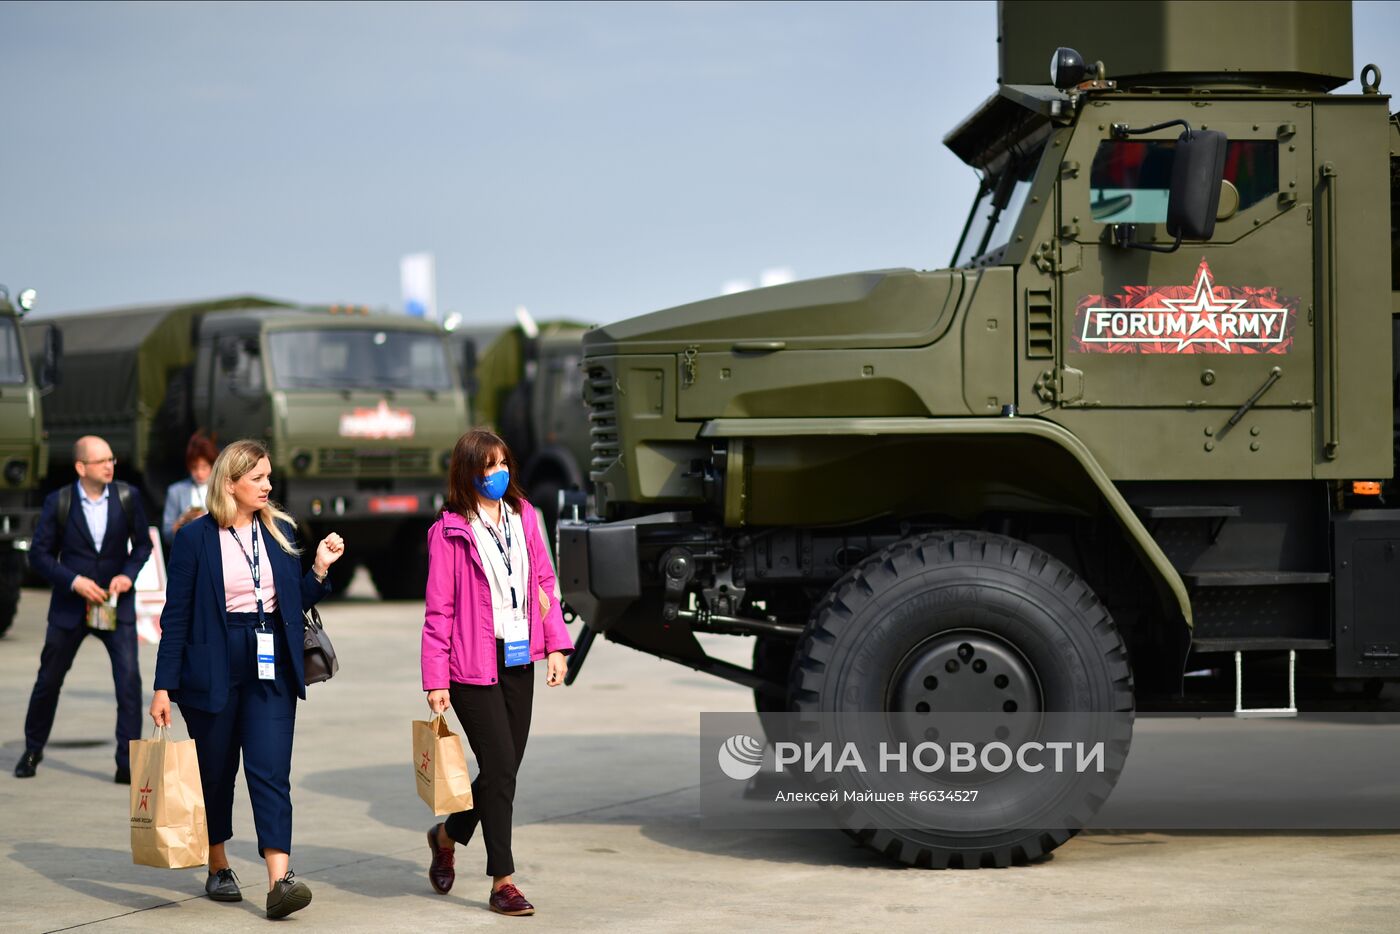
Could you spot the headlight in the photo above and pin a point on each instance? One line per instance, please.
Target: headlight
(301, 462)
(16, 471)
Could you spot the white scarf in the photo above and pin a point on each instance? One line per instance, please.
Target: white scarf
(496, 574)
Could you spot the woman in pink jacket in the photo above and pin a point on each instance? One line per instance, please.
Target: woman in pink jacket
(484, 627)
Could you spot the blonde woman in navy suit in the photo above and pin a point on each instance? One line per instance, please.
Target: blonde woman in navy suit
(233, 604)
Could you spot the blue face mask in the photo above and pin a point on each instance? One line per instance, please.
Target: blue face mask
(494, 486)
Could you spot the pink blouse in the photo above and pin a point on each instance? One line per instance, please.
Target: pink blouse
(238, 576)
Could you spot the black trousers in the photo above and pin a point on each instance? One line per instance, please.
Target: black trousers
(60, 647)
(496, 718)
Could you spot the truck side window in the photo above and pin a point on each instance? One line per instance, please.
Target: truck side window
(1131, 179)
(242, 353)
(11, 360)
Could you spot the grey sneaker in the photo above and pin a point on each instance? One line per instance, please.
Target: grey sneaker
(222, 886)
(287, 895)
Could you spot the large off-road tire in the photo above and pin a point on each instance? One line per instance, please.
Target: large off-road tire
(12, 566)
(877, 638)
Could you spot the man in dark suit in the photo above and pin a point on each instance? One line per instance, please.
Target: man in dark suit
(86, 560)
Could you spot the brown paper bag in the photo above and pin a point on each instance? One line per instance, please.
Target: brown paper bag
(440, 767)
(168, 826)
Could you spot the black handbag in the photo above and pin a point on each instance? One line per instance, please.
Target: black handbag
(319, 661)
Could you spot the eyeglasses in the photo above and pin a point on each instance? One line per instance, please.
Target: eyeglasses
(105, 460)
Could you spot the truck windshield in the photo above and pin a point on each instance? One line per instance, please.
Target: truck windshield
(338, 358)
(999, 202)
(11, 358)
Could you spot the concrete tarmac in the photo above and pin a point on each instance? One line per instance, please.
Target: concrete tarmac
(607, 828)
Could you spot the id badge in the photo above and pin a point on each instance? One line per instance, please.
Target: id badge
(517, 642)
(266, 669)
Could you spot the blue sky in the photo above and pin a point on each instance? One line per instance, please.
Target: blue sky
(586, 160)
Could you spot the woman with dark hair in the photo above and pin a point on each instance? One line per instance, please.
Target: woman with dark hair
(187, 499)
(490, 615)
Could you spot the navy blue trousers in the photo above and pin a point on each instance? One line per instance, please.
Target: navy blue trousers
(60, 648)
(258, 721)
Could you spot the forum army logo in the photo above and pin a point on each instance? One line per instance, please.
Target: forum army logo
(1187, 319)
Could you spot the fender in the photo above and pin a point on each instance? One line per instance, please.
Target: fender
(1157, 565)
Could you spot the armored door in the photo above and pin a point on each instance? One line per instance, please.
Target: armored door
(1195, 363)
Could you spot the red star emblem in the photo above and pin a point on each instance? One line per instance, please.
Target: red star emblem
(1204, 305)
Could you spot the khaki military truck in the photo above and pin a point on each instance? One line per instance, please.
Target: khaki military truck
(1145, 423)
(528, 386)
(23, 458)
(359, 411)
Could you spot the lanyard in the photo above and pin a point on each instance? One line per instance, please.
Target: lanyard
(505, 552)
(253, 567)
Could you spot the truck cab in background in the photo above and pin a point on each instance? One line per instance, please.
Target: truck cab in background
(358, 410)
(529, 389)
(23, 450)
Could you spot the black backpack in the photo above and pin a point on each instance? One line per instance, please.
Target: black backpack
(65, 506)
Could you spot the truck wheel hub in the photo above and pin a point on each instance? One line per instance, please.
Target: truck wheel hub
(964, 670)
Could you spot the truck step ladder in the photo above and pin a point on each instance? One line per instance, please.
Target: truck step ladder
(1290, 711)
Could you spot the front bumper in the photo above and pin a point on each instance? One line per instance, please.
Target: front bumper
(600, 572)
(17, 525)
(313, 499)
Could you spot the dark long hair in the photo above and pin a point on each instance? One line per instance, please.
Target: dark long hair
(468, 462)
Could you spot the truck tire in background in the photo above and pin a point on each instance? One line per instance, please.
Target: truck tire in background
(12, 566)
(544, 496)
(905, 631)
(341, 574)
(401, 572)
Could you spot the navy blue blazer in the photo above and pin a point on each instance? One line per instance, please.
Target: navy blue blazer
(60, 563)
(192, 661)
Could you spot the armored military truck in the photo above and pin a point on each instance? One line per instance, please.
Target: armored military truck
(529, 388)
(1145, 423)
(359, 411)
(22, 450)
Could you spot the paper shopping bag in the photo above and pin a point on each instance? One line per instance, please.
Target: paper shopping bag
(440, 767)
(168, 825)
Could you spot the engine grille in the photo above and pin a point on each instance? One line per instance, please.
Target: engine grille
(602, 420)
(352, 462)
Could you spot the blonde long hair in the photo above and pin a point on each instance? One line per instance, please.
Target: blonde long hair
(230, 466)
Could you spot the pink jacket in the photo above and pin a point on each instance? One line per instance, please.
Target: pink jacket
(459, 639)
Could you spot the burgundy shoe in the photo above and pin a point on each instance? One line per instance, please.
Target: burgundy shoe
(507, 900)
(441, 873)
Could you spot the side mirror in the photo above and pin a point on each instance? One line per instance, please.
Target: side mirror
(51, 370)
(1197, 172)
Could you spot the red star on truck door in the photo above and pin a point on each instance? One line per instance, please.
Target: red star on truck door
(1179, 319)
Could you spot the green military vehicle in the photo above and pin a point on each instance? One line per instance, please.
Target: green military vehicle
(528, 386)
(23, 455)
(1145, 424)
(359, 410)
